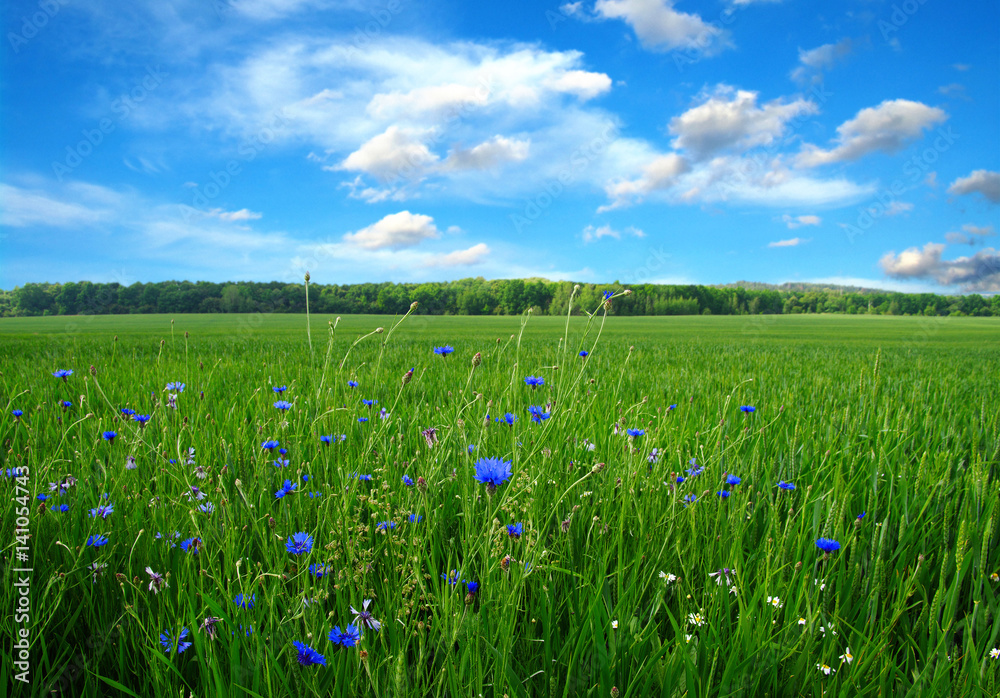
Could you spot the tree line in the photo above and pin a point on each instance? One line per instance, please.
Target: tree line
(474, 297)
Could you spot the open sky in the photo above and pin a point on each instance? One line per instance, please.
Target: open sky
(673, 141)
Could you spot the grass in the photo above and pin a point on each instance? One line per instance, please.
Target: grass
(898, 418)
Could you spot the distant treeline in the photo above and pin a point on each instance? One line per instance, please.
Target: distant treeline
(469, 297)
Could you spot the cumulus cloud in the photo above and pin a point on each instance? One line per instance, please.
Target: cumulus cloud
(460, 258)
(977, 273)
(244, 214)
(793, 242)
(729, 118)
(887, 128)
(970, 234)
(799, 221)
(660, 174)
(660, 27)
(488, 154)
(813, 62)
(394, 232)
(590, 233)
(395, 153)
(983, 182)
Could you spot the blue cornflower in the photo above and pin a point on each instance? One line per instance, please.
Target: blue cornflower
(680, 479)
(288, 487)
(65, 404)
(385, 525)
(786, 485)
(62, 508)
(732, 480)
(635, 432)
(127, 412)
(362, 419)
(369, 403)
(507, 419)
(608, 294)
(17, 413)
(63, 373)
(365, 618)
(416, 518)
(279, 389)
(695, 470)
(42, 496)
(408, 481)
(349, 637)
(97, 541)
(671, 408)
(473, 587)
(748, 408)
(168, 643)
(472, 447)
(103, 511)
(141, 418)
(299, 543)
(109, 436)
(492, 472)
(827, 545)
(326, 439)
(538, 414)
(366, 477)
(283, 405)
(312, 495)
(443, 351)
(191, 545)
(245, 602)
(690, 499)
(452, 577)
(534, 381)
(515, 530)
(653, 456)
(307, 655)
(723, 493)
(16, 472)
(207, 508)
(318, 571)
(352, 384)
(176, 385)
(862, 515)
(269, 445)
(584, 353)
(279, 463)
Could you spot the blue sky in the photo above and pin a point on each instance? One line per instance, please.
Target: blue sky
(667, 141)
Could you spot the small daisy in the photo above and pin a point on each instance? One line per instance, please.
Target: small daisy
(802, 621)
(614, 625)
(775, 601)
(846, 656)
(696, 619)
(994, 653)
(732, 590)
(826, 669)
(671, 578)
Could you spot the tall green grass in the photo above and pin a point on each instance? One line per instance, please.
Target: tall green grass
(895, 419)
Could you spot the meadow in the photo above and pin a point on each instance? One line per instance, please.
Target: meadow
(698, 506)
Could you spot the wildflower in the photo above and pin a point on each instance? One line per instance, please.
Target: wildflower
(994, 653)
(326, 439)
(196, 494)
(157, 581)
(408, 481)
(385, 525)
(670, 578)
(126, 412)
(493, 472)
(635, 433)
(786, 485)
(62, 508)
(515, 530)
(416, 518)
(383, 414)
(430, 436)
(614, 625)
(307, 655)
(846, 656)
(269, 445)
(245, 602)
(538, 415)
(472, 447)
(207, 508)
(200, 472)
(452, 577)
(802, 621)
(733, 590)
(17, 414)
(279, 389)
(352, 384)
(63, 373)
(130, 463)
(584, 354)
(534, 381)
(191, 545)
(723, 493)
(408, 375)
(364, 617)
(318, 571)
(283, 405)
(671, 408)
(179, 387)
(288, 487)
(862, 515)
(825, 668)
(97, 568)
(994, 577)
(104, 511)
(748, 409)
(443, 351)
(168, 644)
(721, 574)
(364, 478)
(208, 626)
(696, 619)
(690, 499)
(42, 497)
(607, 295)
(281, 463)
(362, 420)
(349, 637)
(507, 419)
(369, 403)
(653, 456)
(827, 545)
(299, 543)
(472, 587)
(775, 601)
(66, 404)
(821, 583)
(109, 436)
(680, 480)
(732, 480)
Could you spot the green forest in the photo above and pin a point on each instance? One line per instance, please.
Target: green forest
(475, 297)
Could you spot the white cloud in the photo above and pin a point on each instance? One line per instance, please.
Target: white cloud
(434, 100)
(391, 155)
(799, 221)
(24, 207)
(897, 207)
(984, 182)
(660, 27)
(729, 118)
(814, 61)
(460, 258)
(661, 173)
(488, 154)
(793, 242)
(978, 273)
(581, 83)
(970, 235)
(395, 231)
(244, 214)
(590, 233)
(887, 128)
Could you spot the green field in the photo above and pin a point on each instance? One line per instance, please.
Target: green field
(609, 586)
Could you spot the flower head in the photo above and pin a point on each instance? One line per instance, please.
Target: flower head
(104, 511)
(723, 493)
(430, 436)
(492, 472)
(748, 408)
(141, 419)
(786, 485)
(507, 419)
(538, 415)
(299, 543)
(408, 481)
(443, 351)
(732, 480)
(352, 384)
(283, 405)
(109, 436)
(191, 545)
(827, 545)
(670, 578)
(775, 601)
(534, 381)
(97, 540)
(696, 619)
(307, 656)
(156, 580)
(385, 525)
(826, 669)
(63, 373)
(289, 486)
(326, 439)
(245, 602)
(416, 518)
(348, 637)
(635, 433)
(515, 530)
(319, 571)
(846, 656)
(721, 574)
(168, 644)
(364, 617)
(179, 387)
(584, 354)
(208, 626)
(279, 389)
(269, 445)
(994, 653)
